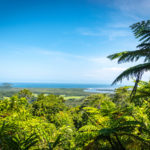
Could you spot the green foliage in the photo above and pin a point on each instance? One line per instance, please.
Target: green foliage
(122, 95)
(11, 140)
(48, 105)
(141, 30)
(101, 122)
(8, 92)
(25, 93)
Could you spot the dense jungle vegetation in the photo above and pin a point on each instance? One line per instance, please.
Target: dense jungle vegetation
(100, 122)
(120, 121)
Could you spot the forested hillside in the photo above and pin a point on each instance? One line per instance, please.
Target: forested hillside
(100, 122)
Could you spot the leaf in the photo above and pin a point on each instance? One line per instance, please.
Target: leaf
(132, 72)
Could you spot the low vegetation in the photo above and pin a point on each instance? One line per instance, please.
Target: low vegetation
(8, 92)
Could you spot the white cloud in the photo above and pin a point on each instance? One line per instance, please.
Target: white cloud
(140, 7)
(104, 75)
(118, 69)
(101, 60)
(135, 9)
(87, 69)
(119, 25)
(47, 65)
(146, 76)
(47, 52)
(110, 33)
(56, 53)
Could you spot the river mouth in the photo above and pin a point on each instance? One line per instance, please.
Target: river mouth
(100, 90)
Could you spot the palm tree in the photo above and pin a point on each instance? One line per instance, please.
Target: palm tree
(141, 30)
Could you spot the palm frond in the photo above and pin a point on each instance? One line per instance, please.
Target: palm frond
(22, 144)
(116, 55)
(147, 142)
(57, 141)
(30, 141)
(130, 56)
(132, 72)
(142, 30)
(144, 46)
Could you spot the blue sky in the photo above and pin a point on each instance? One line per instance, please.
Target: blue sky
(66, 41)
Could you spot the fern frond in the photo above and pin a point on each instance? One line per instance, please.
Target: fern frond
(145, 141)
(88, 128)
(116, 55)
(132, 72)
(141, 29)
(130, 56)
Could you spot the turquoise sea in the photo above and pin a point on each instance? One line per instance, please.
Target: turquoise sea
(60, 85)
(94, 88)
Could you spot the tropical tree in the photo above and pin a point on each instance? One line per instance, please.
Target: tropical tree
(113, 127)
(141, 30)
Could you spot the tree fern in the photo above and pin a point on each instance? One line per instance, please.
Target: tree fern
(133, 72)
(141, 30)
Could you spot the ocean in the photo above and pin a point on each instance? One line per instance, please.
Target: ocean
(93, 88)
(61, 85)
